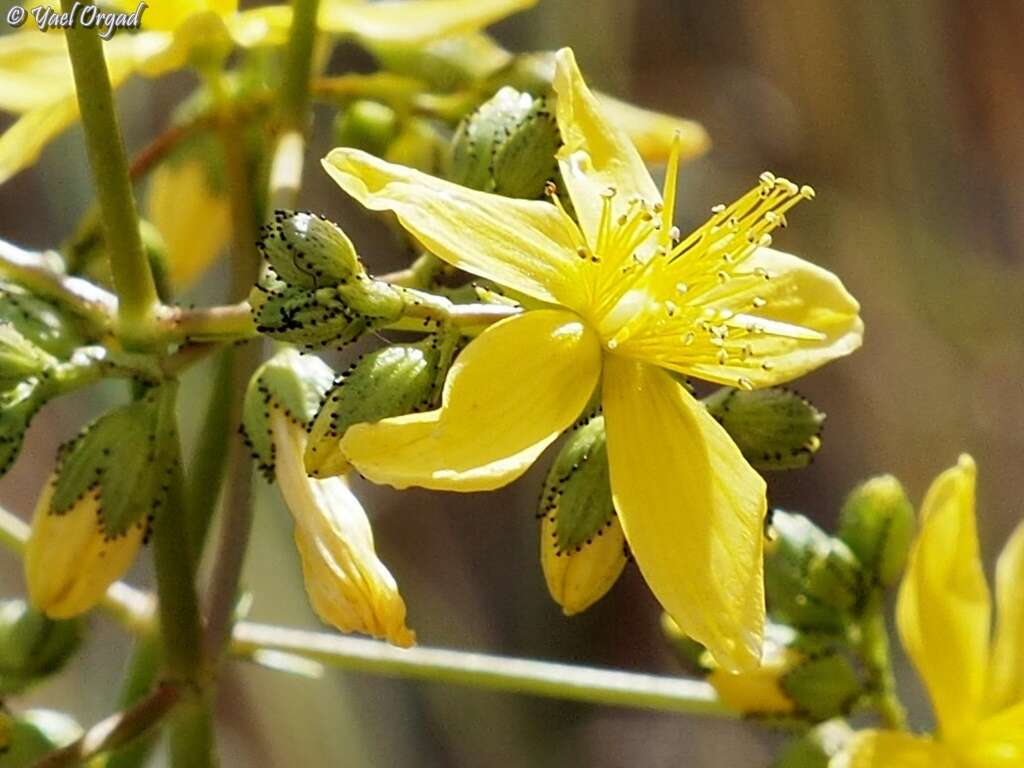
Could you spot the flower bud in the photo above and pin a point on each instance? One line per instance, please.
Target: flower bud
(35, 733)
(366, 125)
(775, 428)
(812, 581)
(307, 250)
(816, 747)
(877, 523)
(20, 358)
(418, 145)
(582, 546)
(446, 64)
(391, 381)
(797, 680)
(110, 483)
(43, 324)
(507, 146)
(348, 586)
(290, 382)
(32, 646)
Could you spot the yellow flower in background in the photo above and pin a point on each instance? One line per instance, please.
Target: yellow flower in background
(348, 586)
(628, 300)
(70, 561)
(180, 195)
(37, 86)
(976, 685)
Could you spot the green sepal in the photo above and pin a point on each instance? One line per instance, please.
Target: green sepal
(823, 686)
(577, 490)
(307, 250)
(391, 381)
(36, 732)
(816, 747)
(294, 382)
(32, 646)
(691, 654)
(40, 322)
(508, 146)
(19, 357)
(366, 125)
(813, 581)
(877, 523)
(126, 456)
(775, 428)
(18, 406)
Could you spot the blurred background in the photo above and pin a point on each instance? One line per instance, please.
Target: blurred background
(907, 119)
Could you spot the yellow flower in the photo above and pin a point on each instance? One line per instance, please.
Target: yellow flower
(944, 617)
(36, 83)
(70, 561)
(759, 691)
(627, 301)
(348, 586)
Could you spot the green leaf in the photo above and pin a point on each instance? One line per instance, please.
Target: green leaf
(775, 428)
(577, 490)
(40, 322)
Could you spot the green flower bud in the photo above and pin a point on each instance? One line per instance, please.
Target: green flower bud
(35, 733)
(32, 646)
(124, 459)
(582, 545)
(816, 747)
(420, 145)
(507, 146)
(293, 382)
(812, 581)
(445, 64)
(391, 381)
(38, 321)
(366, 125)
(18, 406)
(877, 523)
(775, 428)
(19, 357)
(307, 250)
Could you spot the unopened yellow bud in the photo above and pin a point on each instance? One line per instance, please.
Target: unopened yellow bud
(758, 691)
(71, 560)
(348, 586)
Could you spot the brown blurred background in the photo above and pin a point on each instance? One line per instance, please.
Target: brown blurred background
(907, 116)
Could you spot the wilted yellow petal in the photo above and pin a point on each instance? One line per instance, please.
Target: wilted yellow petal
(893, 749)
(652, 132)
(943, 611)
(348, 586)
(775, 319)
(69, 561)
(578, 578)
(415, 21)
(1006, 668)
(508, 396)
(193, 219)
(522, 244)
(692, 509)
(596, 153)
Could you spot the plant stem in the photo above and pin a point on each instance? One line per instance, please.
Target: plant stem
(295, 84)
(129, 265)
(526, 676)
(874, 652)
(138, 681)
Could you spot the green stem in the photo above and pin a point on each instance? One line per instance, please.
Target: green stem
(139, 678)
(295, 84)
(875, 654)
(129, 266)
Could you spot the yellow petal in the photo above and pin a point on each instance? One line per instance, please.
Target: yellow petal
(180, 194)
(652, 132)
(596, 153)
(168, 15)
(752, 331)
(415, 21)
(510, 393)
(266, 25)
(523, 244)
(893, 749)
(348, 586)
(758, 691)
(998, 742)
(1006, 669)
(578, 578)
(943, 611)
(34, 70)
(22, 143)
(69, 561)
(692, 509)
